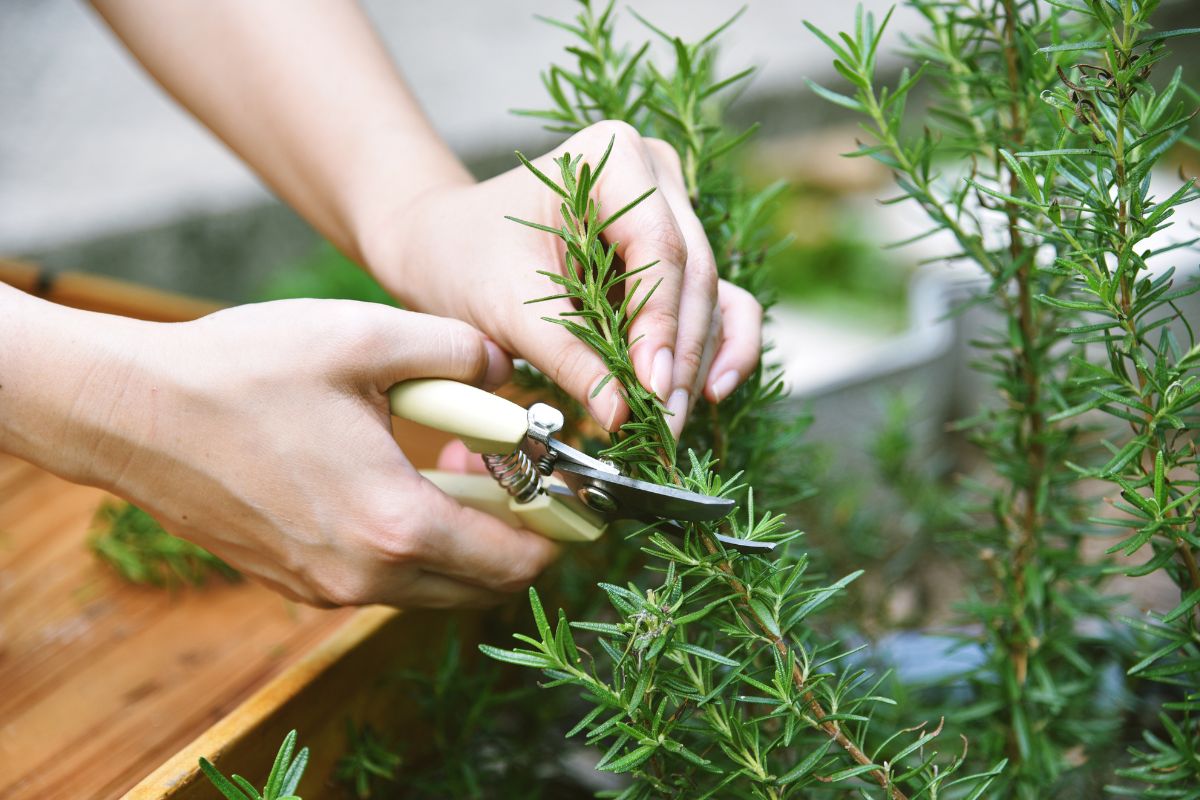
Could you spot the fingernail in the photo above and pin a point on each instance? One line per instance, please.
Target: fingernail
(661, 370)
(498, 368)
(678, 406)
(723, 386)
(605, 405)
(612, 415)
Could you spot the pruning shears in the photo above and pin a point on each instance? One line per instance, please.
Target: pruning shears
(538, 482)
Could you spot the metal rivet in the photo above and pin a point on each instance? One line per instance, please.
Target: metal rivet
(597, 499)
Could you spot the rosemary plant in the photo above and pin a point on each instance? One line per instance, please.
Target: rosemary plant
(1102, 210)
(1047, 107)
(482, 736)
(710, 679)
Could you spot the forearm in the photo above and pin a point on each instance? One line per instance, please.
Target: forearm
(305, 93)
(67, 386)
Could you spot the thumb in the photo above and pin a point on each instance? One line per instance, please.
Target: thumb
(407, 345)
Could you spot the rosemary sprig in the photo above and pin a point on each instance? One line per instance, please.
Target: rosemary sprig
(281, 781)
(592, 273)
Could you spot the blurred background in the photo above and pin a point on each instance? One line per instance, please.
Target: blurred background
(100, 171)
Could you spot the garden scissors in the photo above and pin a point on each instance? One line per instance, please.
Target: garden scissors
(538, 482)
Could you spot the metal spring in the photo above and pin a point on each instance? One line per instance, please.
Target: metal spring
(515, 472)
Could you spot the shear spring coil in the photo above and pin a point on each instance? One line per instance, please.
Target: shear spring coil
(516, 473)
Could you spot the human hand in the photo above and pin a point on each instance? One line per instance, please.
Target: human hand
(262, 433)
(452, 252)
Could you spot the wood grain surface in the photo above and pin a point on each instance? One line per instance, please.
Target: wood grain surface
(101, 681)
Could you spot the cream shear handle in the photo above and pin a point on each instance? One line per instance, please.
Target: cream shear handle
(486, 423)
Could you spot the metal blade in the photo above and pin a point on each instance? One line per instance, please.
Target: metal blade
(748, 546)
(564, 453)
(619, 497)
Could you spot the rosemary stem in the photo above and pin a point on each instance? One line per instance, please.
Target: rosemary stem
(830, 727)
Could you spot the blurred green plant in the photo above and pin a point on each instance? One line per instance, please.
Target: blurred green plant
(832, 267)
(133, 543)
(485, 733)
(369, 764)
(325, 273)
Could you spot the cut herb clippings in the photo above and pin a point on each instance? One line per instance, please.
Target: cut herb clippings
(136, 546)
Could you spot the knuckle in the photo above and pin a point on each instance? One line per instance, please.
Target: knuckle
(391, 532)
(467, 352)
(670, 243)
(395, 542)
(691, 356)
(514, 585)
(661, 317)
(623, 133)
(521, 576)
(350, 332)
(664, 152)
(342, 589)
(568, 365)
(704, 267)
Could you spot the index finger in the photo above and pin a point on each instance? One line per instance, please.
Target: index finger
(647, 236)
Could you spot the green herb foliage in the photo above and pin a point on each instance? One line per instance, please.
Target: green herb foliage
(482, 736)
(281, 782)
(1102, 211)
(709, 679)
(136, 546)
(325, 272)
(1037, 164)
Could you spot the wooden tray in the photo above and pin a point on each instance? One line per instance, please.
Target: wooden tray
(102, 682)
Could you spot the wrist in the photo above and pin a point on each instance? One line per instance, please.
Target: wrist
(67, 381)
(392, 223)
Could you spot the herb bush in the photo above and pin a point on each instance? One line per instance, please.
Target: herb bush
(711, 673)
(1050, 109)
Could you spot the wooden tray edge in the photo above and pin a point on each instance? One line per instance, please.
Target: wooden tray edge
(107, 295)
(183, 767)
